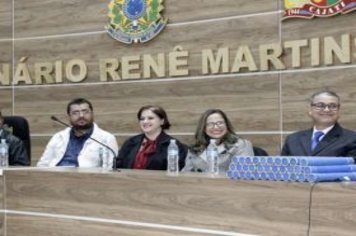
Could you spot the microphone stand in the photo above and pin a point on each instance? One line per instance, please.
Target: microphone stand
(95, 140)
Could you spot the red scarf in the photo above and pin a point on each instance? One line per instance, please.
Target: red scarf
(141, 159)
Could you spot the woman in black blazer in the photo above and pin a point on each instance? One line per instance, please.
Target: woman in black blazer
(148, 150)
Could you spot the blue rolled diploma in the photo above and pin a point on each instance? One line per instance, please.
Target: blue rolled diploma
(325, 161)
(289, 161)
(329, 169)
(285, 177)
(330, 177)
(256, 160)
(301, 178)
(278, 176)
(263, 175)
(248, 175)
(238, 167)
(271, 176)
(292, 177)
(248, 160)
(278, 161)
(232, 167)
(235, 160)
(263, 160)
(270, 160)
(231, 174)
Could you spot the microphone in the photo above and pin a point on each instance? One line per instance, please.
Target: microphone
(54, 118)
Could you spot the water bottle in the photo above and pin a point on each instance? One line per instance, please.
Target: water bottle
(212, 158)
(4, 154)
(172, 158)
(101, 154)
(104, 156)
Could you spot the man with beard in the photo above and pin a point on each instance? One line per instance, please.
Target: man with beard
(76, 146)
(326, 137)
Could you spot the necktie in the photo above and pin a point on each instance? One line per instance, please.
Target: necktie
(315, 139)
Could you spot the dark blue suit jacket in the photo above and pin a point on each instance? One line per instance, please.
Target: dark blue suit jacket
(338, 142)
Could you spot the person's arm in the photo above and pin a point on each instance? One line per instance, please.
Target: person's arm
(183, 150)
(285, 149)
(17, 153)
(188, 165)
(122, 154)
(48, 154)
(243, 147)
(352, 149)
(112, 143)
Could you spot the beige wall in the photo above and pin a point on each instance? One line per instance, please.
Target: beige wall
(264, 106)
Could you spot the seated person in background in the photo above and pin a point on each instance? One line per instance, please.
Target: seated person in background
(17, 152)
(74, 146)
(327, 137)
(148, 150)
(214, 124)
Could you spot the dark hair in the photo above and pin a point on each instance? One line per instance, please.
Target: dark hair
(202, 139)
(327, 92)
(78, 101)
(159, 111)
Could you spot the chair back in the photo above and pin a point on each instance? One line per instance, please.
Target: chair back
(20, 128)
(259, 151)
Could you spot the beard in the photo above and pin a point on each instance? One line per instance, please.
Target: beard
(83, 127)
(87, 125)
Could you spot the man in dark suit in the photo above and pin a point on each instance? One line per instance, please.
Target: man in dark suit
(327, 137)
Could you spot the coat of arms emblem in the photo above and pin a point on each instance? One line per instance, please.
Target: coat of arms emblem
(317, 8)
(135, 21)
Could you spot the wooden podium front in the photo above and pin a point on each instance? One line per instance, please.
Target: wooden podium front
(68, 201)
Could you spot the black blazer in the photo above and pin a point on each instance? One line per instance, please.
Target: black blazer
(17, 152)
(338, 142)
(156, 160)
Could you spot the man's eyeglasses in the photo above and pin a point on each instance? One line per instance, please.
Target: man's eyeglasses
(218, 124)
(77, 113)
(322, 106)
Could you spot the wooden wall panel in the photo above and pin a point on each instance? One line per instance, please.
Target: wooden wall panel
(83, 15)
(1, 190)
(38, 145)
(186, 10)
(5, 53)
(35, 226)
(116, 105)
(2, 200)
(5, 19)
(6, 101)
(6, 93)
(329, 26)
(227, 33)
(298, 87)
(319, 28)
(271, 143)
(340, 196)
(58, 17)
(2, 220)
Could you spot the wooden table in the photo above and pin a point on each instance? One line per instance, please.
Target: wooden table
(69, 201)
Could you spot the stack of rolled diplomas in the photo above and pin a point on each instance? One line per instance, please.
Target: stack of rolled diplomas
(300, 169)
